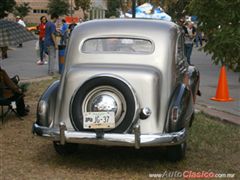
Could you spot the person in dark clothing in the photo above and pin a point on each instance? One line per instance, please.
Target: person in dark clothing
(51, 43)
(11, 91)
(4, 52)
(64, 33)
(71, 27)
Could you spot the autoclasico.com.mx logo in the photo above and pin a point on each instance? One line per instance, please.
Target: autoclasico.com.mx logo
(191, 174)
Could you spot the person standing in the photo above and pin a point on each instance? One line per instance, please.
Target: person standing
(190, 33)
(80, 21)
(41, 28)
(64, 32)
(71, 27)
(51, 43)
(4, 52)
(21, 22)
(198, 36)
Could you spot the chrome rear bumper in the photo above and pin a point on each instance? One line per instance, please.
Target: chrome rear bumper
(138, 140)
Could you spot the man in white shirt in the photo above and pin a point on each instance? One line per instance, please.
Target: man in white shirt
(190, 33)
(80, 21)
(20, 21)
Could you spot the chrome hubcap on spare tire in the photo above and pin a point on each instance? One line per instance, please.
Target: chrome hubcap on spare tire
(106, 99)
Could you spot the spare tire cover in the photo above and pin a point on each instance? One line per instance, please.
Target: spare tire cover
(76, 113)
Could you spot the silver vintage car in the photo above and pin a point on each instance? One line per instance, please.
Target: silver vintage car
(126, 82)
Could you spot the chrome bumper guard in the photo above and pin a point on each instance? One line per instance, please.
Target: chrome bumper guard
(138, 140)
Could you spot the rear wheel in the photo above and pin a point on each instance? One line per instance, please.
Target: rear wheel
(176, 152)
(66, 149)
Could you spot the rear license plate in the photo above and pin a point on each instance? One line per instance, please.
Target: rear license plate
(98, 120)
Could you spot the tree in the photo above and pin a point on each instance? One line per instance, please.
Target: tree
(85, 6)
(22, 9)
(220, 22)
(175, 8)
(126, 5)
(59, 7)
(6, 7)
(113, 8)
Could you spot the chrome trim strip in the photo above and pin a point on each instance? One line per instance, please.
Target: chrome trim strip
(137, 140)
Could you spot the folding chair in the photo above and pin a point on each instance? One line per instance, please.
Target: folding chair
(11, 107)
(10, 102)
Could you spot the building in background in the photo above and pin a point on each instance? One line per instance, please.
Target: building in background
(98, 9)
(39, 8)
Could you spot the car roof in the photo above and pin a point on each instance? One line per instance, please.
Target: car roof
(131, 27)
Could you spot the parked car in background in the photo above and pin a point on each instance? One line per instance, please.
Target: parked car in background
(126, 82)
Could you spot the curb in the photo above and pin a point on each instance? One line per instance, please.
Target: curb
(36, 79)
(220, 115)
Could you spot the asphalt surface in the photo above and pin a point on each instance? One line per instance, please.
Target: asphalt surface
(209, 76)
(22, 61)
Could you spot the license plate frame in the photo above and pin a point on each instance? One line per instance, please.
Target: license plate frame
(98, 120)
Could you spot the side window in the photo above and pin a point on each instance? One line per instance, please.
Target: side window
(180, 48)
(180, 60)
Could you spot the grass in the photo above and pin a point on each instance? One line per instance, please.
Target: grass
(212, 147)
(214, 143)
(31, 24)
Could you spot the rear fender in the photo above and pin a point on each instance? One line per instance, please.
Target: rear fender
(46, 105)
(194, 81)
(180, 109)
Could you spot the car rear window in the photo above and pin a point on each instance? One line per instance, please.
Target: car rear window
(118, 45)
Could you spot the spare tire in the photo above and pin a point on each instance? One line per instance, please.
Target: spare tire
(76, 109)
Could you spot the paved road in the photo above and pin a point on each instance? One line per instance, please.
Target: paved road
(209, 79)
(22, 61)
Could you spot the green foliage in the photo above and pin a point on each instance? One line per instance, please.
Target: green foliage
(220, 22)
(113, 8)
(6, 7)
(175, 8)
(84, 4)
(31, 24)
(22, 9)
(59, 7)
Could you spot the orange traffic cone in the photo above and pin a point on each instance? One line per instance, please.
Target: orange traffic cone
(222, 89)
